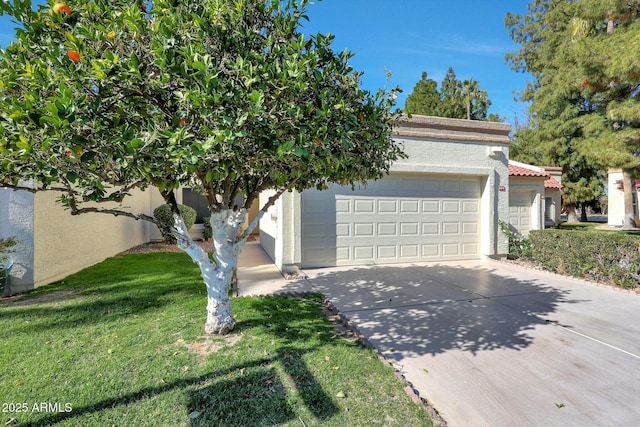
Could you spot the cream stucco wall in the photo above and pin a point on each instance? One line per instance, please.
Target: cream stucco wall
(555, 194)
(615, 209)
(535, 187)
(64, 244)
(434, 146)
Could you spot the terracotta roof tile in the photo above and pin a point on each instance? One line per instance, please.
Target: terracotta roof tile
(520, 171)
(551, 182)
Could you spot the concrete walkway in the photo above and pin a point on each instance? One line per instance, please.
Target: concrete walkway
(490, 343)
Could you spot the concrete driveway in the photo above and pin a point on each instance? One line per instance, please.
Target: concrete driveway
(494, 344)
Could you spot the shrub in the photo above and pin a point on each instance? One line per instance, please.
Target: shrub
(164, 217)
(5, 247)
(519, 246)
(603, 257)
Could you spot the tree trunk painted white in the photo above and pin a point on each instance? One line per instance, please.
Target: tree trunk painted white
(217, 274)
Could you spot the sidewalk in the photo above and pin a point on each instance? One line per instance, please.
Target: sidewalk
(257, 274)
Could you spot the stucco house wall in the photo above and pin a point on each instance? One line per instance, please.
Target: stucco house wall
(553, 190)
(615, 208)
(535, 196)
(53, 243)
(534, 188)
(434, 145)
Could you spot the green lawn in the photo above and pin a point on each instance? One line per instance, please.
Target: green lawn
(121, 343)
(578, 225)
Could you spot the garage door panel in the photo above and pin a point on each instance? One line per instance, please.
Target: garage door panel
(387, 229)
(469, 248)
(314, 230)
(430, 250)
(393, 220)
(313, 206)
(430, 228)
(387, 206)
(342, 230)
(452, 186)
(343, 205)
(409, 251)
(470, 207)
(450, 228)
(431, 206)
(409, 206)
(471, 228)
(409, 229)
(363, 206)
(450, 249)
(363, 253)
(520, 211)
(363, 230)
(387, 252)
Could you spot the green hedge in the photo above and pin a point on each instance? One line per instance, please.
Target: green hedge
(603, 257)
(165, 219)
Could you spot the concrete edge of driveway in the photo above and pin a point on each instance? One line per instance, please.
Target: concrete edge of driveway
(344, 320)
(437, 419)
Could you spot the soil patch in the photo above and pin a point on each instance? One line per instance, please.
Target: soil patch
(20, 301)
(151, 247)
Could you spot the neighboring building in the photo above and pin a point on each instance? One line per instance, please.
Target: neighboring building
(441, 203)
(553, 196)
(534, 196)
(53, 244)
(615, 197)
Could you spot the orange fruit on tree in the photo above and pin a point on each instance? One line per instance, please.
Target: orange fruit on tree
(61, 8)
(183, 122)
(74, 55)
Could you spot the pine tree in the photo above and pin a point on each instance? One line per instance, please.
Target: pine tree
(456, 99)
(424, 99)
(584, 96)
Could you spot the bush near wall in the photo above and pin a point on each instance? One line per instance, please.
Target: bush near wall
(164, 217)
(603, 257)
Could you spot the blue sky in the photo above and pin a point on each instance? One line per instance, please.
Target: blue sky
(408, 37)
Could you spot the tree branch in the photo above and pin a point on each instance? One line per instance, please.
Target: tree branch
(31, 189)
(114, 212)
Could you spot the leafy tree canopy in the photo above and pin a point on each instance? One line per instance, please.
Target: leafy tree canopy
(102, 97)
(455, 99)
(584, 96)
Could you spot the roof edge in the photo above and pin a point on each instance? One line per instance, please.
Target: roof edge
(452, 129)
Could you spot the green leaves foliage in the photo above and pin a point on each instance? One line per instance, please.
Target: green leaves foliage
(224, 95)
(604, 257)
(456, 99)
(584, 96)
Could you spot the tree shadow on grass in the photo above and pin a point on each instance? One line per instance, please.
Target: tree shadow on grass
(107, 292)
(259, 391)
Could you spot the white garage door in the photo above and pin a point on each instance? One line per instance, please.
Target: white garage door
(396, 219)
(520, 211)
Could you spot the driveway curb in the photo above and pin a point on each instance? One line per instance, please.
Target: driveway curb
(411, 391)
